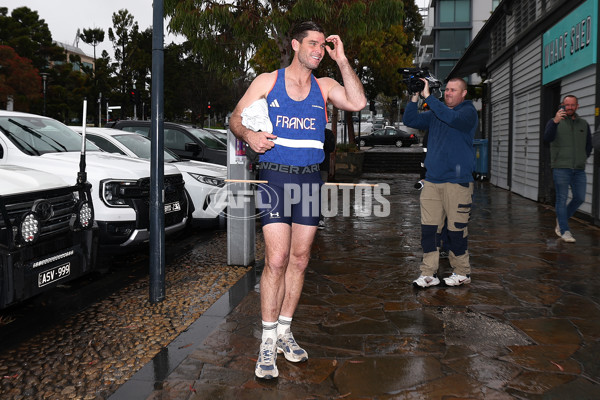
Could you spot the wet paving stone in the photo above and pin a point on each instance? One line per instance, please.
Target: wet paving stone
(373, 376)
(549, 331)
(527, 326)
(549, 358)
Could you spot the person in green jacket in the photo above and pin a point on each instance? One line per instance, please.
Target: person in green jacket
(570, 145)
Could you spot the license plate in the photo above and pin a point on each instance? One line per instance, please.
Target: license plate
(54, 274)
(172, 207)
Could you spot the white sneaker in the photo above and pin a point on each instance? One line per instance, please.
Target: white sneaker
(567, 237)
(457, 280)
(426, 281)
(287, 345)
(266, 366)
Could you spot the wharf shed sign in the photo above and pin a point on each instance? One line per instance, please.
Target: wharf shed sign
(571, 44)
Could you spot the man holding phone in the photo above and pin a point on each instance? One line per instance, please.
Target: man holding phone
(570, 145)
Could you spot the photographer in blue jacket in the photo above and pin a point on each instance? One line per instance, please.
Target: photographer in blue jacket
(448, 186)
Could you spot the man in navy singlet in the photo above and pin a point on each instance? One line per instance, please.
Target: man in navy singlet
(289, 161)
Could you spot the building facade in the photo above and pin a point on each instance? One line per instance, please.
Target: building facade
(450, 25)
(86, 60)
(530, 54)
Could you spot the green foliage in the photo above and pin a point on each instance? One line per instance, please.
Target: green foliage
(93, 37)
(29, 35)
(346, 148)
(229, 36)
(189, 86)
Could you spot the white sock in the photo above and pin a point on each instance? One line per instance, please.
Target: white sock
(269, 331)
(283, 325)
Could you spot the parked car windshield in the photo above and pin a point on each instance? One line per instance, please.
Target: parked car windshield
(141, 147)
(36, 135)
(222, 136)
(208, 139)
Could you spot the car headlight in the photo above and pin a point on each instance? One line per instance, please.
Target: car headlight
(29, 228)
(209, 180)
(116, 192)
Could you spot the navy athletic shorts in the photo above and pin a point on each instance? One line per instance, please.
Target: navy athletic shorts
(289, 197)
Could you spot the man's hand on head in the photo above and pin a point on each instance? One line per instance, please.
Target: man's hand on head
(337, 52)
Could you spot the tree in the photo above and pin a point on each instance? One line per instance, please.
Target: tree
(93, 37)
(29, 36)
(124, 27)
(189, 86)
(19, 80)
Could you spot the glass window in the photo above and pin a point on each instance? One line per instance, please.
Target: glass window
(454, 12)
(141, 147)
(444, 68)
(452, 43)
(175, 139)
(104, 144)
(208, 139)
(36, 135)
(145, 131)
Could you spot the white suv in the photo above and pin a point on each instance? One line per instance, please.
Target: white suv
(202, 179)
(120, 185)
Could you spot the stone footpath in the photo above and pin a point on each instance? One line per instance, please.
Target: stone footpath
(527, 327)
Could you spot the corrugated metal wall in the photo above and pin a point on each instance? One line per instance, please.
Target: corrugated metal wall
(499, 138)
(526, 129)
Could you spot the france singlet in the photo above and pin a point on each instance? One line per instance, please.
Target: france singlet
(298, 125)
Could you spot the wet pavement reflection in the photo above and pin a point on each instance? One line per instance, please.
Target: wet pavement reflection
(527, 327)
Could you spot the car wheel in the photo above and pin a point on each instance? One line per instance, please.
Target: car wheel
(398, 143)
(362, 143)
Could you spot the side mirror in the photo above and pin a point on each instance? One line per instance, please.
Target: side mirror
(193, 147)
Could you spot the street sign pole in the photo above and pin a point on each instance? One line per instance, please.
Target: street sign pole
(157, 166)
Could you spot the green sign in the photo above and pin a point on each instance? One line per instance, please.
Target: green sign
(570, 45)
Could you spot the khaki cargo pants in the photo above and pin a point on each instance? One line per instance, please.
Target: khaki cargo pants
(438, 202)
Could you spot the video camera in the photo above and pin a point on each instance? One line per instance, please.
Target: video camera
(411, 76)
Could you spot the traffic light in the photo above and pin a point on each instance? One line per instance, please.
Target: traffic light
(132, 96)
(209, 106)
(372, 106)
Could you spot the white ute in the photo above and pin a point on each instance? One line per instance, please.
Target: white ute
(47, 234)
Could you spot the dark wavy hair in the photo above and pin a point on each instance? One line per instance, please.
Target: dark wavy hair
(301, 29)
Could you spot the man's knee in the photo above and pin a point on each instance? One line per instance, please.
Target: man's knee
(277, 263)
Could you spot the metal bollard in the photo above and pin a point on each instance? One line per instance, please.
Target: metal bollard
(241, 223)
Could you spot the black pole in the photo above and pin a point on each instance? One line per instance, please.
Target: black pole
(44, 78)
(157, 166)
